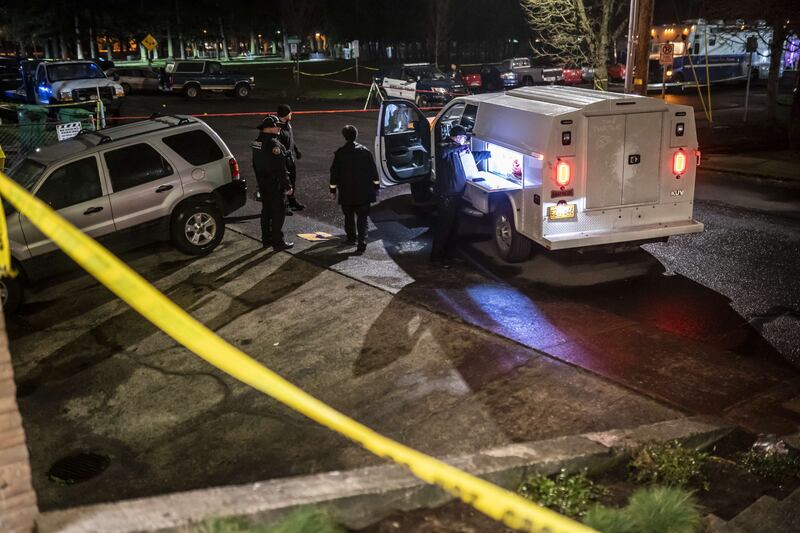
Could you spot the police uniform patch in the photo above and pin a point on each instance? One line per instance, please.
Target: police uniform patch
(255, 145)
(276, 150)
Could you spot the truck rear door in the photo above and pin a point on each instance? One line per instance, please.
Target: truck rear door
(403, 143)
(623, 160)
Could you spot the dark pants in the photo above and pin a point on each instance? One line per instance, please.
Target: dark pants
(292, 167)
(446, 226)
(273, 212)
(355, 222)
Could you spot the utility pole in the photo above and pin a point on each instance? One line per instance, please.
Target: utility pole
(630, 54)
(644, 22)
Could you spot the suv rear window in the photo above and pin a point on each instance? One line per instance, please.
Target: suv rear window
(196, 147)
(135, 165)
(194, 67)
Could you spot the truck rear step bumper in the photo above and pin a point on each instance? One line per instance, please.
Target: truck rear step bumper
(634, 233)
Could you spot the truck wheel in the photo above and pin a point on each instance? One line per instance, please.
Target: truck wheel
(242, 90)
(197, 228)
(527, 81)
(422, 100)
(191, 91)
(511, 246)
(126, 88)
(10, 294)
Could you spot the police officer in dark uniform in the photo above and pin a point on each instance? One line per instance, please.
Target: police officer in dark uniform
(451, 181)
(292, 152)
(272, 175)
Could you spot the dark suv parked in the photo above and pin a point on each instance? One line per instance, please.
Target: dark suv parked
(191, 77)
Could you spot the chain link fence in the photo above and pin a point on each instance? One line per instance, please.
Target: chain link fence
(36, 126)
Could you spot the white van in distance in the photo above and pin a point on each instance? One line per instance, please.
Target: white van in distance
(570, 167)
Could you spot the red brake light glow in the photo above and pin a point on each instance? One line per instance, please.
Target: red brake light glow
(679, 163)
(563, 173)
(234, 168)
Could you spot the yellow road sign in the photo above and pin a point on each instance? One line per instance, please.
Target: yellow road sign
(149, 42)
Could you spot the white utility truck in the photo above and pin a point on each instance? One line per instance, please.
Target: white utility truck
(570, 167)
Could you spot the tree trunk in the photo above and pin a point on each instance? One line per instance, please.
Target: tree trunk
(142, 52)
(642, 62)
(47, 49)
(78, 47)
(775, 53)
(224, 42)
(180, 30)
(287, 52)
(63, 44)
(92, 43)
(170, 51)
(252, 42)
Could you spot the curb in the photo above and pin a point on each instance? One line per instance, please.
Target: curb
(783, 180)
(365, 495)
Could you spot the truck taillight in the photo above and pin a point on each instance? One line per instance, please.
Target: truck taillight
(697, 155)
(679, 163)
(563, 173)
(234, 168)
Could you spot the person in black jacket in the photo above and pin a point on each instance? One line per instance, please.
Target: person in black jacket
(451, 180)
(355, 179)
(292, 155)
(272, 175)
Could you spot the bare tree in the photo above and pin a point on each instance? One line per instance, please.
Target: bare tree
(439, 25)
(576, 31)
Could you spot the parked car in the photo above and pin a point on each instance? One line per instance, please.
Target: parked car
(10, 77)
(529, 73)
(421, 83)
(140, 79)
(498, 77)
(192, 77)
(169, 177)
(64, 82)
(472, 79)
(587, 73)
(572, 74)
(616, 72)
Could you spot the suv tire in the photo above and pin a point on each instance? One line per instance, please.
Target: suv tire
(197, 228)
(242, 90)
(511, 246)
(126, 88)
(10, 294)
(191, 91)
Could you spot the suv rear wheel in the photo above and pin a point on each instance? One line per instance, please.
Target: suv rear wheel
(191, 91)
(10, 294)
(197, 228)
(242, 90)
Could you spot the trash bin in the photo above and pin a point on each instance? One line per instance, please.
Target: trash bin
(76, 114)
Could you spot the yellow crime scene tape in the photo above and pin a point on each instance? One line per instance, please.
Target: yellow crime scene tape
(326, 73)
(499, 504)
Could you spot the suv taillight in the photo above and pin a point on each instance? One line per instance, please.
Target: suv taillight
(234, 169)
(679, 162)
(563, 173)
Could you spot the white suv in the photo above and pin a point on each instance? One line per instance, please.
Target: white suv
(169, 177)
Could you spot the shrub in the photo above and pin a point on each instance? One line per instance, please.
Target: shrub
(664, 510)
(303, 520)
(669, 463)
(609, 520)
(773, 466)
(568, 494)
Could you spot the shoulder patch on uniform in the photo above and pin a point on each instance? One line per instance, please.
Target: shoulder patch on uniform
(255, 145)
(276, 150)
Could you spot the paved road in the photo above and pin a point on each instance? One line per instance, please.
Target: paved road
(490, 352)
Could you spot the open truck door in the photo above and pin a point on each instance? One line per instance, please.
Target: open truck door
(403, 144)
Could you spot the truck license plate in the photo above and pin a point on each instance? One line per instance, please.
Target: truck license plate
(561, 212)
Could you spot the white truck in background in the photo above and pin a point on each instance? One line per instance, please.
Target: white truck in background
(570, 167)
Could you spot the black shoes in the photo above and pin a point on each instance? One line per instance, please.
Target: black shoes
(289, 212)
(282, 246)
(362, 247)
(294, 205)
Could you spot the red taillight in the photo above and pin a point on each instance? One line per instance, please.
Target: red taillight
(234, 168)
(563, 173)
(679, 163)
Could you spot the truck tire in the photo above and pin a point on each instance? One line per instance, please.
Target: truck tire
(10, 294)
(191, 91)
(197, 227)
(527, 81)
(242, 90)
(126, 88)
(511, 246)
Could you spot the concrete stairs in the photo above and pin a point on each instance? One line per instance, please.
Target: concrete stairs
(765, 514)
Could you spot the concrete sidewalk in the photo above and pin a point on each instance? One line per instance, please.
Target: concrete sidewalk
(783, 165)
